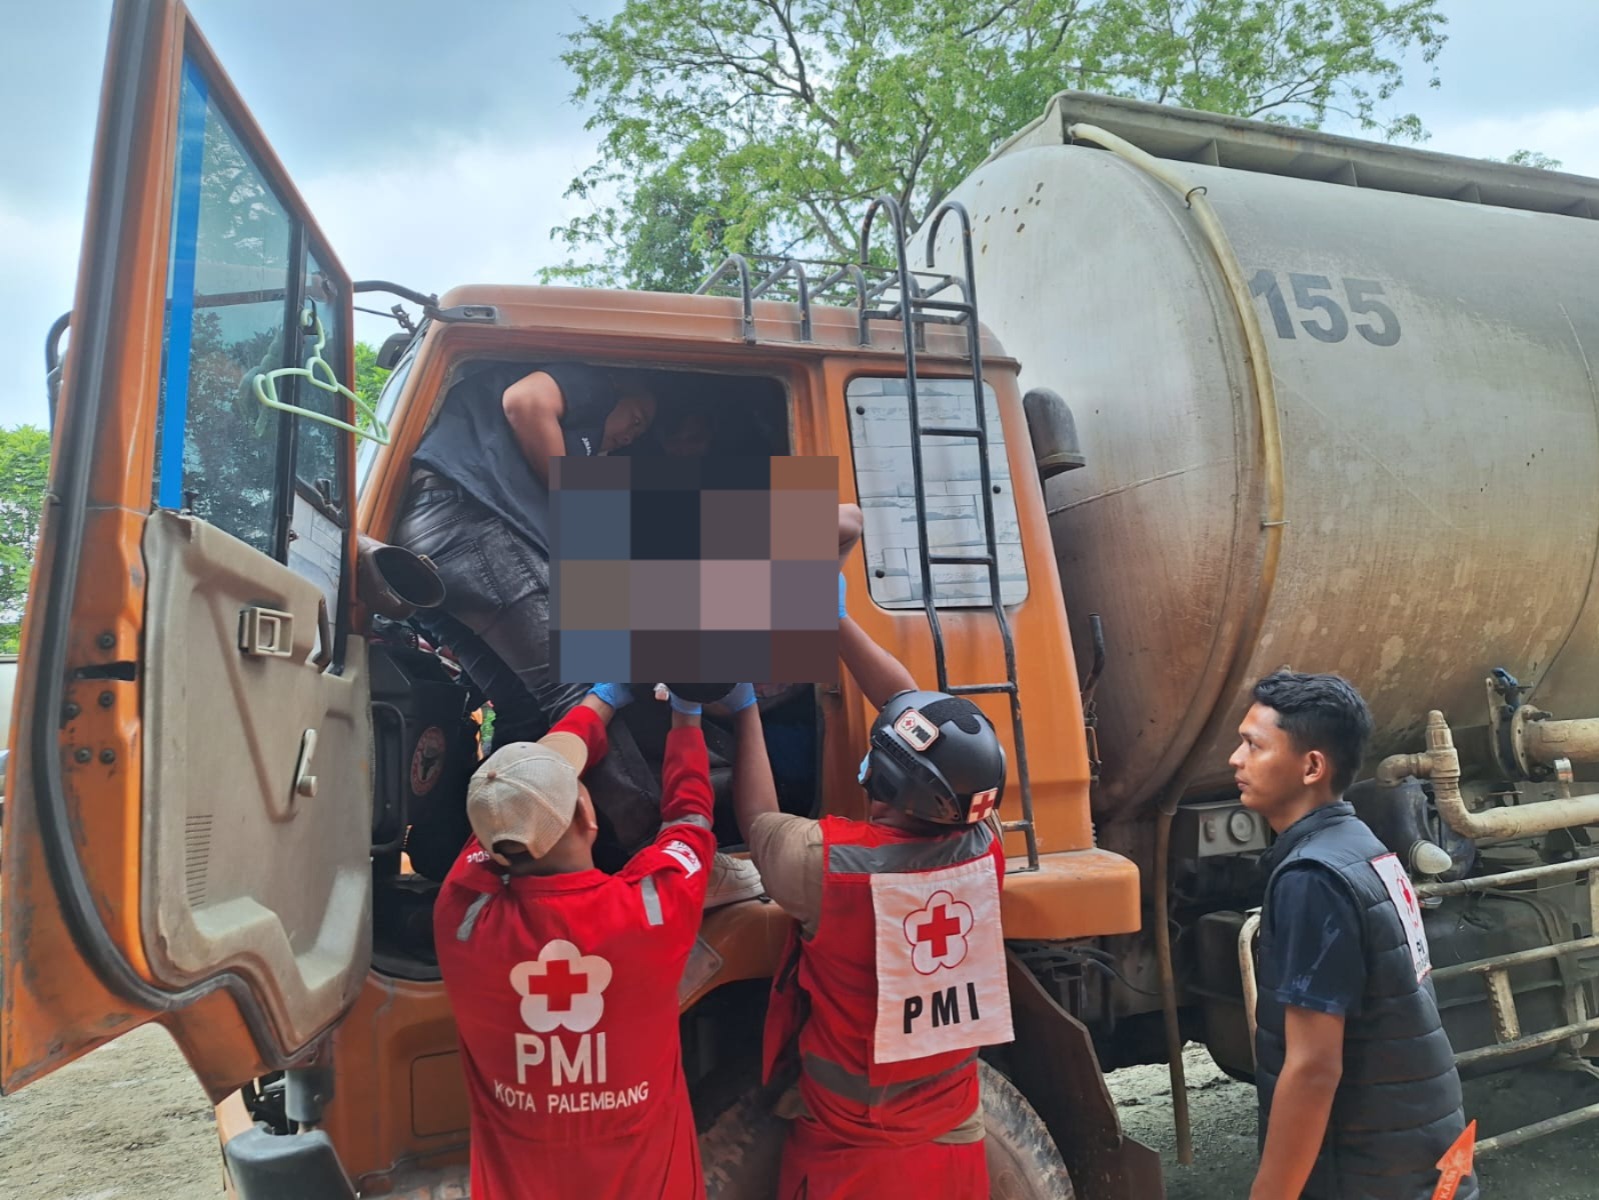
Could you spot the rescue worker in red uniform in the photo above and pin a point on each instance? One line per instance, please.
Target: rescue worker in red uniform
(895, 977)
(563, 979)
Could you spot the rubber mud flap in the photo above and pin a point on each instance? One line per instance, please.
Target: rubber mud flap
(268, 1166)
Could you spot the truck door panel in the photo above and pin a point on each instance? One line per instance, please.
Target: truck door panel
(186, 833)
(248, 859)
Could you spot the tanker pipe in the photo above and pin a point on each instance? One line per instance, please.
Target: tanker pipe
(1168, 989)
(1545, 741)
(1441, 764)
(1271, 524)
(1396, 768)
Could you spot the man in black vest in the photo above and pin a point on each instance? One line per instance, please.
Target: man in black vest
(479, 508)
(1359, 1097)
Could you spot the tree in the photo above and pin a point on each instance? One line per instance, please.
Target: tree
(24, 475)
(1532, 158)
(670, 238)
(792, 114)
(369, 377)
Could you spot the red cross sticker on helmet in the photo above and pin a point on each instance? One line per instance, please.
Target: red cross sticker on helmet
(916, 729)
(982, 805)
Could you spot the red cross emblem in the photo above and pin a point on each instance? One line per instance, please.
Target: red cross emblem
(562, 988)
(559, 985)
(937, 933)
(982, 805)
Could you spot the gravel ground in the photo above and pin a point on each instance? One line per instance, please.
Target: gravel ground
(129, 1122)
(1563, 1166)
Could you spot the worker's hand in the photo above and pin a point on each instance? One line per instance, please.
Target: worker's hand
(740, 698)
(617, 695)
(850, 524)
(688, 708)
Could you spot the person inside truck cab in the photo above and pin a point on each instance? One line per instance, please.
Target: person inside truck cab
(478, 508)
(1359, 1096)
(563, 979)
(896, 975)
(689, 433)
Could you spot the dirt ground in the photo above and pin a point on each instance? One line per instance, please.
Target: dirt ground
(1563, 1166)
(129, 1122)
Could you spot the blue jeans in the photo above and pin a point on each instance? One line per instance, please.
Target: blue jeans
(496, 619)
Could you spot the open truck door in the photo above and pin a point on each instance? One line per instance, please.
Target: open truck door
(187, 831)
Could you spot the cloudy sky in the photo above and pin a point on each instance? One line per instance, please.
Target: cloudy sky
(434, 141)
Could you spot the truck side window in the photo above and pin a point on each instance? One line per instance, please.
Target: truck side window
(319, 448)
(879, 427)
(227, 281)
(246, 288)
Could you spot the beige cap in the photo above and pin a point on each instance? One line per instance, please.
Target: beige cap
(526, 792)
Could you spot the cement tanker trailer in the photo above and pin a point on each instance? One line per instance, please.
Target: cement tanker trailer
(1335, 408)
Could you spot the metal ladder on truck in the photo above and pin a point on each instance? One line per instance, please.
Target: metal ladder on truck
(914, 307)
(915, 300)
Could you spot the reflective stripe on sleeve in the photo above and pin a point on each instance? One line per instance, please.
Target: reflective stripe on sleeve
(469, 921)
(652, 901)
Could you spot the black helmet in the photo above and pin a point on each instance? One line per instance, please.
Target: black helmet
(936, 757)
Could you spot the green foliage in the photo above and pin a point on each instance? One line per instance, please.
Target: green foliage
(369, 381)
(1532, 158)
(670, 239)
(751, 125)
(24, 475)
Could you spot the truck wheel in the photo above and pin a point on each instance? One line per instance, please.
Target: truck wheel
(743, 1147)
(1023, 1163)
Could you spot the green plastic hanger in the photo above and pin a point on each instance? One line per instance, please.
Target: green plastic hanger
(319, 372)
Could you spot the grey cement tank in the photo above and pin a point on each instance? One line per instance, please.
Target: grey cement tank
(1429, 329)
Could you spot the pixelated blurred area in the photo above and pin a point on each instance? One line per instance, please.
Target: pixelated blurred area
(695, 567)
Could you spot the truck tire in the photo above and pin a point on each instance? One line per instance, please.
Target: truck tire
(742, 1148)
(1023, 1163)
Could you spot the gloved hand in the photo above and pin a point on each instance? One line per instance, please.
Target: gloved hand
(617, 695)
(740, 698)
(688, 708)
(843, 610)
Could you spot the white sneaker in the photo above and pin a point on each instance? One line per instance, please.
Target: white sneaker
(732, 880)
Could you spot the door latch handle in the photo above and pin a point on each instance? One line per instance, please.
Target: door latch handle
(266, 632)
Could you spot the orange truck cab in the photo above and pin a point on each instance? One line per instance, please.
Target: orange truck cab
(218, 752)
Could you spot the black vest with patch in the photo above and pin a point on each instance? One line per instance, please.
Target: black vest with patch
(1398, 1106)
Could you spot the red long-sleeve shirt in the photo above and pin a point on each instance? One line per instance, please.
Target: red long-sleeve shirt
(565, 996)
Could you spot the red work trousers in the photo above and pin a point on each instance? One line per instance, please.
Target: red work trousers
(817, 1166)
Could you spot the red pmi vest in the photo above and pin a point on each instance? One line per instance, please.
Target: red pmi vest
(904, 978)
(564, 990)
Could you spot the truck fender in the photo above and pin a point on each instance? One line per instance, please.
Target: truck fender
(1056, 1069)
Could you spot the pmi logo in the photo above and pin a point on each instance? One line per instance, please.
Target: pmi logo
(937, 933)
(562, 989)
